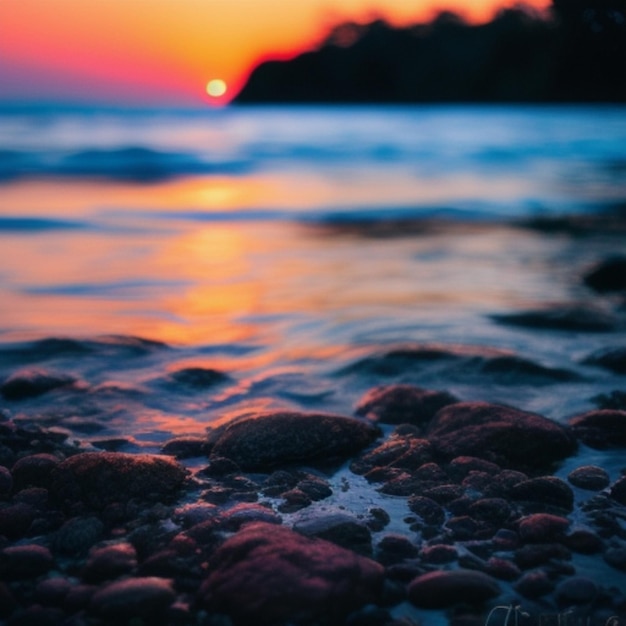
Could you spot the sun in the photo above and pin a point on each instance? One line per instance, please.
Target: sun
(216, 88)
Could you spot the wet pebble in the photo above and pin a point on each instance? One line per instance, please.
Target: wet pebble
(147, 597)
(439, 553)
(590, 477)
(603, 428)
(427, 509)
(533, 554)
(576, 590)
(34, 470)
(31, 383)
(615, 556)
(533, 585)
(339, 528)
(395, 548)
(26, 561)
(493, 510)
(16, 520)
(109, 562)
(52, 591)
(6, 481)
(445, 588)
(544, 490)
(398, 404)
(185, 447)
(542, 528)
(583, 541)
(502, 569)
(618, 490)
(77, 535)
(462, 466)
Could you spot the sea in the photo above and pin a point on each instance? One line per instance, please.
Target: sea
(282, 246)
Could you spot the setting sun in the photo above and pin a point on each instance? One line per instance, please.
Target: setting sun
(216, 88)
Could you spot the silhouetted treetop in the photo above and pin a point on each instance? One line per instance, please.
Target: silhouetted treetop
(577, 53)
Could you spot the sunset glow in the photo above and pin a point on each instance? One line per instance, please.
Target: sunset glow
(162, 52)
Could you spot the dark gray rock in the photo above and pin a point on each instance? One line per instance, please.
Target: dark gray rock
(393, 548)
(78, 535)
(109, 562)
(52, 591)
(16, 520)
(147, 598)
(613, 359)
(427, 509)
(618, 490)
(462, 466)
(6, 481)
(493, 510)
(503, 435)
(34, 470)
(535, 554)
(600, 429)
(185, 447)
(545, 490)
(277, 438)
(271, 575)
(198, 378)
(583, 541)
(398, 404)
(542, 528)
(339, 528)
(439, 553)
(533, 585)
(97, 479)
(25, 561)
(576, 590)
(590, 477)
(607, 276)
(442, 589)
(615, 556)
(31, 383)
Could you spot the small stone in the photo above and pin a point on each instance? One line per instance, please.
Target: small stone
(52, 591)
(34, 470)
(542, 528)
(439, 553)
(109, 562)
(16, 520)
(339, 528)
(601, 429)
(6, 481)
(399, 404)
(615, 556)
(502, 569)
(315, 488)
(26, 561)
(191, 514)
(576, 590)
(618, 490)
(135, 598)
(442, 589)
(377, 519)
(198, 378)
(394, 548)
(492, 510)
(583, 541)
(78, 534)
(461, 466)
(590, 477)
(547, 490)
(430, 512)
(185, 447)
(533, 555)
(534, 584)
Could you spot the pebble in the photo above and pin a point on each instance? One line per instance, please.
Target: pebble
(6, 481)
(575, 591)
(26, 561)
(278, 438)
(31, 383)
(542, 528)
(34, 470)
(339, 528)
(445, 588)
(439, 553)
(395, 548)
(427, 509)
(185, 447)
(77, 535)
(545, 490)
(608, 275)
(109, 562)
(601, 429)
(133, 598)
(533, 585)
(618, 490)
(590, 477)
(398, 404)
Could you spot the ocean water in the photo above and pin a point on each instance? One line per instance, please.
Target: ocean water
(282, 246)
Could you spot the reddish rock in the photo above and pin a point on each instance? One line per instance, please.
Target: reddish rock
(503, 435)
(542, 527)
(269, 574)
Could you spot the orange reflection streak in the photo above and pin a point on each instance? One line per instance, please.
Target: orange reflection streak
(170, 49)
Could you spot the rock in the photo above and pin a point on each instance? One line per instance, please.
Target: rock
(191, 514)
(442, 589)
(615, 400)
(534, 584)
(493, 510)
(16, 520)
(600, 429)
(78, 534)
(562, 318)
(503, 435)
(52, 591)
(25, 561)
(546, 490)
(575, 591)
(32, 383)
(394, 548)
(618, 490)
(583, 541)
(615, 556)
(198, 378)
(235, 517)
(97, 479)
(109, 562)
(607, 276)
(271, 575)
(398, 452)
(398, 404)
(461, 467)
(502, 569)
(613, 359)
(542, 528)
(535, 554)
(277, 438)
(430, 512)
(185, 447)
(439, 554)
(315, 488)
(6, 481)
(133, 598)
(517, 370)
(34, 470)
(339, 528)
(590, 477)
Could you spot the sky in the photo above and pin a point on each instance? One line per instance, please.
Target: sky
(165, 52)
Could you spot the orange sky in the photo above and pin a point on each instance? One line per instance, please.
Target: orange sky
(165, 51)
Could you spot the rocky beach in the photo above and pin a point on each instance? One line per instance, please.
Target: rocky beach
(333, 367)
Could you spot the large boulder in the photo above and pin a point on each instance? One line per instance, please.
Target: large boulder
(504, 435)
(268, 574)
(266, 440)
(97, 479)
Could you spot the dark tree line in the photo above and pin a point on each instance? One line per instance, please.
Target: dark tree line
(576, 54)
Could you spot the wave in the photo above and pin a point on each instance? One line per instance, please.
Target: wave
(131, 164)
(29, 224)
